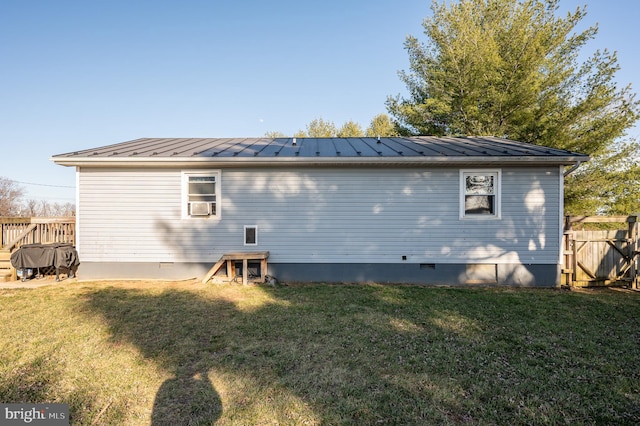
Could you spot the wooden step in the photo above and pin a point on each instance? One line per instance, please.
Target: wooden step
(7, 273)
(230, 258)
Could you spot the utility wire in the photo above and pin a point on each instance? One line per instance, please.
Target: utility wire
(42, 184)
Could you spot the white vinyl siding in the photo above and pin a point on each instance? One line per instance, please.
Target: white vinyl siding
(322, 215)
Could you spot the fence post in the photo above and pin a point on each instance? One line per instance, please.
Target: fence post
(569, 269)
(567, 265)
(633, 251)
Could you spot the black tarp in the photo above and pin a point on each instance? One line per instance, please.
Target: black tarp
(57, 255)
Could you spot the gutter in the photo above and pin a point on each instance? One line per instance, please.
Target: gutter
(573, 168)
(316, 161)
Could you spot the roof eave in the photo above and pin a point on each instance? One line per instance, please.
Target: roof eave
(311, 161)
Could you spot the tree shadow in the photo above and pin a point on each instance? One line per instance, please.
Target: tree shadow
(175, 330)
(351, 355)
(314, 367)
(32, 381)
(38, 381)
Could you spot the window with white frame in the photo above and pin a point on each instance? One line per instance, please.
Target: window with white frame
(480, 193)
(201, 192)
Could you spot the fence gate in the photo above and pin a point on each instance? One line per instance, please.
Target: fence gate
(601, 257)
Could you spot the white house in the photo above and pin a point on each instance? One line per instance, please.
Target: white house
(406, 209)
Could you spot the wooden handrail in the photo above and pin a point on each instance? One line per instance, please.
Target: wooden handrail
(26, 230)
(16, 231)
(27, 220)
(601, 219)
(9, 246)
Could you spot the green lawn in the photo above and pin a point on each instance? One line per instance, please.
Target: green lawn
(185, 353)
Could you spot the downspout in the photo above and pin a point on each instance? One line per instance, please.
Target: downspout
(573, 168)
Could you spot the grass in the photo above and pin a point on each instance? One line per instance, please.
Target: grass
(185, 353)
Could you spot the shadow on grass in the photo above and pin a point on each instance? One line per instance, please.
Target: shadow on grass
(33, 381)
(369, 355)
(37, 382)
(178, 331)
(300, 350)
(188, 398)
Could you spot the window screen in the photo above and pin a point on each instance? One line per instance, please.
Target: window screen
(202, 191)
(480, 191)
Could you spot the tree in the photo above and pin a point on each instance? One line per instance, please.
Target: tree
(608, 184)
(64, 209)
(10, 194)
(12, 205)
(274, 135)
(510, 68)
(350, 129)
(43, 208)
(318, 128)
(382, 125)
(30, 208)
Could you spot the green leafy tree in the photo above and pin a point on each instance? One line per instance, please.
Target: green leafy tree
(318, 128)
(608, 184)
(510, 68)
(350, 129)
(274, 134)
(382, 125)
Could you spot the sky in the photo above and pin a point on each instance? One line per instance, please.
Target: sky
(83, 74)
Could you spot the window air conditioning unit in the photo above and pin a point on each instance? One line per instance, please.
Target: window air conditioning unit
(200, 208)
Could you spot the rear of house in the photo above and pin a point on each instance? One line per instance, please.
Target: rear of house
(403, 210)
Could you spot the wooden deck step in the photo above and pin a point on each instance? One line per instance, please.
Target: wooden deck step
(230, 258)
(7, 273)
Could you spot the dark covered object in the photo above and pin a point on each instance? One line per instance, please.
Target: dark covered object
(56, 255)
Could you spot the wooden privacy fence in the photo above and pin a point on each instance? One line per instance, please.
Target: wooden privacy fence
(600, 257)
(17, 231)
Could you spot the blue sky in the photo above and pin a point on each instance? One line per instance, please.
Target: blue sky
(81, 74)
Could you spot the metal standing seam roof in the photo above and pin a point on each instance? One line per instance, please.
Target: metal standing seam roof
(365, 150)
